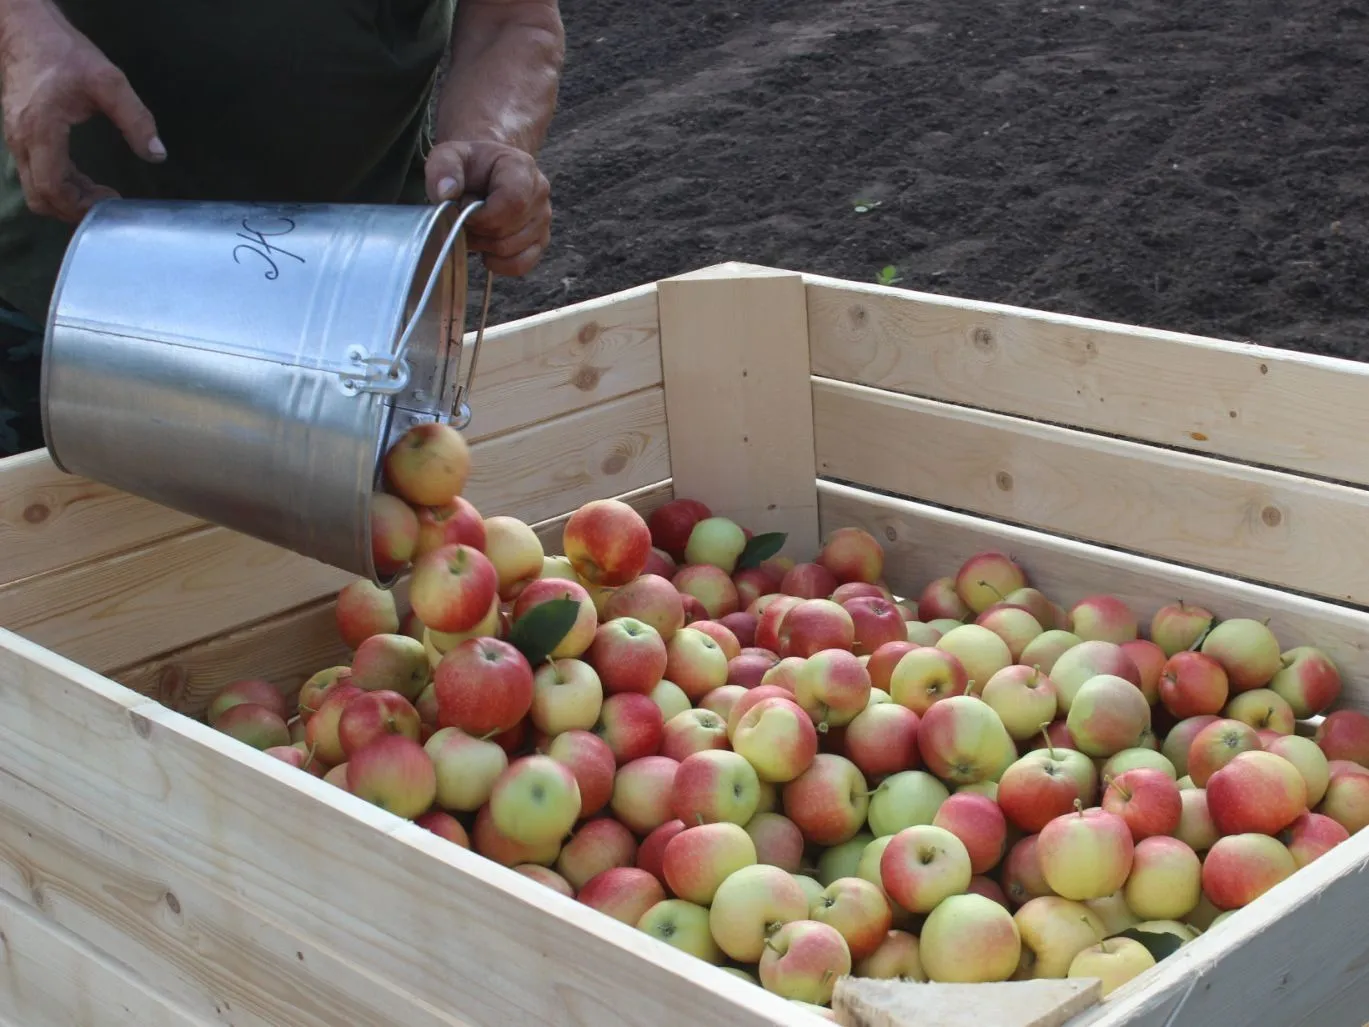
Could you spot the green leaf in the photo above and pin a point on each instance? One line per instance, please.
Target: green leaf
(1159, 943)
(760, 548)
(542, 628)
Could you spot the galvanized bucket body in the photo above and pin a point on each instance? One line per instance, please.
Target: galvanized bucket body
(231, 361)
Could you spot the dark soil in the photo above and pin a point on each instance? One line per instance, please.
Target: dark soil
(1201, 167)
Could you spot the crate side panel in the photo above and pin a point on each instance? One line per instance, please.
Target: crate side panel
(1270, 526)
(1258, 404)
(734, 349)
(192, 940)
(924, 542)
(499, 947)
(50, 977)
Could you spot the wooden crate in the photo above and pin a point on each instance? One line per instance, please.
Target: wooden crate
(154, 872)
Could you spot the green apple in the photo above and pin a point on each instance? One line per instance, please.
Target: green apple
(905, 799)
(683, 925)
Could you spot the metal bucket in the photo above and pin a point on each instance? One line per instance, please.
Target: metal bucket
(250, 364)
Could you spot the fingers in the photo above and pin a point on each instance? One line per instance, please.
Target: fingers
(55, 188)
(515, 255)
(111, 93)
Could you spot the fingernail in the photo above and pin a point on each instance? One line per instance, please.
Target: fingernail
(445, 188)
(157, 148)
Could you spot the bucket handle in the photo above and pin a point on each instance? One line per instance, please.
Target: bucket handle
(395, 377)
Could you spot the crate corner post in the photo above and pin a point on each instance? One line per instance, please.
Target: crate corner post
(738, 392)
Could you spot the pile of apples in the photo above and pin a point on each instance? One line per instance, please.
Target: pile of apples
(787, 771)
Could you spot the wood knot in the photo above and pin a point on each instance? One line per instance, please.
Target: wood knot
(1003, 480)
(982, 339)
(858, 314)
(615, 463)
(1264, 369)
(588, 333)
(171, 684)
(587, 378)
(1197, 436)
(891, 534)
(142, 727)
(173, 903)
(37, 513)
(1272, 516)
(1231, 414)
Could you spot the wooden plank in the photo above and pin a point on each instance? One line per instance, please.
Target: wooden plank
(120, 611)
(530, 370)
(116, 611)
(643, 500)
(923, 542)
(287, 648)
(451, 928)
(199, 945)
(540, 472)
(1269, 526)
(1270, 406)
(49, 977)
(734, 348)
(1269, 965)
(866, 1002)
(49, 519)
(565, 360)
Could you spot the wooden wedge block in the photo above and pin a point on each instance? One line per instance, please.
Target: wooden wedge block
(865, 1002)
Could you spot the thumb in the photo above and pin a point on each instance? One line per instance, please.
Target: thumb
(445, 172)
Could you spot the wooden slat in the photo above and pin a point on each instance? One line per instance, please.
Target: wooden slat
(1269, 406)
(285, 649)
(49, 519)
(923, 542)
(1270, 964)
(734, 348)
(49, 977)
(289, 647)
(112, 613)
(198, 944)
(530, 370)
(565, 360)
(542, 471)
(452, 929)
(1269, 526)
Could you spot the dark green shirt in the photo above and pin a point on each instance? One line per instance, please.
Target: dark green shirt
(271, 100)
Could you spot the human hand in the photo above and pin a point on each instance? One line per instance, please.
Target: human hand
(513, 227)
(52, 78)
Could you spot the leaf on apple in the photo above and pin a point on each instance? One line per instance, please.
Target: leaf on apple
(541, 629)
(760, 548)
(1158, 943)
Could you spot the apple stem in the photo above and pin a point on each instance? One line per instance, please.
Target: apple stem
(556, 672)
(1050, 748)
(700, 818)
(1103, 947)
(991, 589)
(489, 734)
(1079, 806)
(969, 688)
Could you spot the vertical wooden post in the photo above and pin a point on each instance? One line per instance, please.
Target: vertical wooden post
(739, 400)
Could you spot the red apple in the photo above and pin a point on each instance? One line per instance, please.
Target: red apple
(829, 800)
(778, 840)
(1256, 792)
(545, 877)
(1311, 836)
(624, 893)
(1150, 662)
(875, 621)
(698, 859)
(1179, 626)
(1247, 651)
(590, 759)
(429, 464)
(962, 740)
(882, 740)
(596, 846)
(670, 525)
(748, 667)
(858, 910)
(544, 590)
(979, 823)
(693, 731)
(803, 960)
(316, 688)
(444, 825)
(658, 562)
(452, 587)
(814, 625)
(607, 542)
(727, 641)
(1193, 685)
(711, 585)
(770, 612)
(1179, 739)
(1242, 867)
(394, 533)
(394, 773)
(986, 578)
(632, 725)
(752, 583)
(1022, 877)
(742, 625)
(257, 692)
(628, 654)
(1344, 735)
(493, 845)
(1044, 784)
(1148, 800)
(1015, 625)
(853, 555)
(372, 715)
(651, 853)
(364, 609)
(832, 686)
(713, 786)
(809, 581)
(1087, 660)
(924, 676)
(1308, 681)
(1103, 618)
(1216, 745)
(1347, 795)
(650, 599)
(883, 661)
(940, 601)
(483, 686)
(321, 731)
(642, 793)
(1086, 854)
(924, 864)
(456, 521)
(721, 700)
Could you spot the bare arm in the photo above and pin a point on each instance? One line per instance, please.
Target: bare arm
(51, 78)
(493, 114)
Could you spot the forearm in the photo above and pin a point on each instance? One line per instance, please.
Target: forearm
(505, 71)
